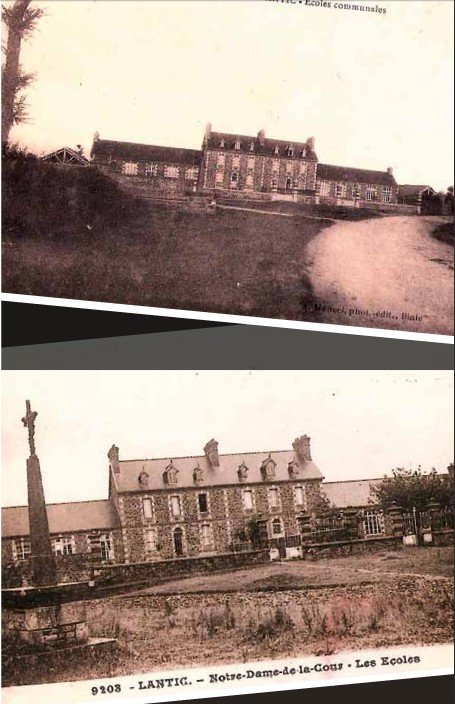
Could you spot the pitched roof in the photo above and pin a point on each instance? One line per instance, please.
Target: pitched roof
(224, 475)
(267, 148)
(63, 518)
(349, 493)
(410, 190)
(66, 155)
(326, 172)
(109, 149)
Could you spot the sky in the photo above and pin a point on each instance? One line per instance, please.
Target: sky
(375, 90)
(362, 424)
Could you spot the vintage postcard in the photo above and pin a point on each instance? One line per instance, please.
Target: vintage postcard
(178, 535)
(275, 162)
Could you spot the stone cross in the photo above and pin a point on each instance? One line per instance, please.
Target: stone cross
(29, 422)
(43, 560)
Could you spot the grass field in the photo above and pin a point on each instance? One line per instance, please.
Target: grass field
(236, 262)
(282, 610)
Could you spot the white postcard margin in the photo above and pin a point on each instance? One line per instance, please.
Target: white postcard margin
(350, 667)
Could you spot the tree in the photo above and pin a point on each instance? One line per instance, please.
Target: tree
(413, 489)
(21, 22)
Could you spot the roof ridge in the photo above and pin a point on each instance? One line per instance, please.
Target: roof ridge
(166, 458)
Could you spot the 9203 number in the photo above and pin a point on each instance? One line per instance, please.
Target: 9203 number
(108, 689)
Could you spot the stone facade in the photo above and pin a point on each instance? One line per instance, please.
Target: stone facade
(244, 167)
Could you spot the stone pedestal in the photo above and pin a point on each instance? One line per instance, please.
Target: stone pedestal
(47, 627)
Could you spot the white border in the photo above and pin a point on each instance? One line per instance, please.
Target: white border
(436, 659)
(226, 318)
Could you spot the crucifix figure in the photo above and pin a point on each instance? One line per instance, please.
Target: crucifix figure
(29, 422)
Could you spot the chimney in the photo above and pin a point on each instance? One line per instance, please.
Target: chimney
(261, 137)
(113, 456)
(208, 131)
(390, 171)
(96, 136)
(211, 452)
(302, 448)
(310, 143)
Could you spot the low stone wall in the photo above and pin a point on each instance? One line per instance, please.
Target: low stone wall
(390, 208)
(156, 572)
(353, 547)
(78, 568)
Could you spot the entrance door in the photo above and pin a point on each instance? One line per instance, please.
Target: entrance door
(178, 542)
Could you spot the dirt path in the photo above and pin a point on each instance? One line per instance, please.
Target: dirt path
(387, 273)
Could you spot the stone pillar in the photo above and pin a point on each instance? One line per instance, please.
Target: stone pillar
(395, 513)
(42, 557)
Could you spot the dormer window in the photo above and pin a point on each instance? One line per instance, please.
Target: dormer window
(222, 144)
(293, 469)
(277, 149)
(268, 468)
(198, 475)
(242, 472)
(238, 144)
(252, 147)
(303, 154)
(291, 151)
(143, 479)
(170, 475)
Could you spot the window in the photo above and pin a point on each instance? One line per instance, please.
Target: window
(151, 170)
(356, 191)
(323, 188)
(290, 151)
(203, 503)
(171, 172)
(371, 193)
(22, 549)
(130, 168)
(273, 498)
(248, 500)
(303, 154)
(219, 179)
(299, 496)
(386, 194)
(192, 173)
(220, 160)
(237, 144)
(107, 551)
(236, 161)
(373, 523)
(63, 546)
(234, 177)
(176, 507)
(274, 182)
(276, 526)
(277, 149)
(289, 183)
(252, 147)
(340, 190)
(150, 542)
(249, 181)
(222, 144)
(206, 536)
(303, 168)
(275, 165)
(251, 162)
(147, 506)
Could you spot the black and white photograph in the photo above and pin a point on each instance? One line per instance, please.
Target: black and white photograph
(269, 161)
(167, 534)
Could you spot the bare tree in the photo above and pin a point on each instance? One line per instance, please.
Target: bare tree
(21, 21)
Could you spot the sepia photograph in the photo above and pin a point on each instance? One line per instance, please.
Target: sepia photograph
(206, 529)
(272, 161)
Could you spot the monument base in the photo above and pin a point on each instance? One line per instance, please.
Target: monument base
(46, 627)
